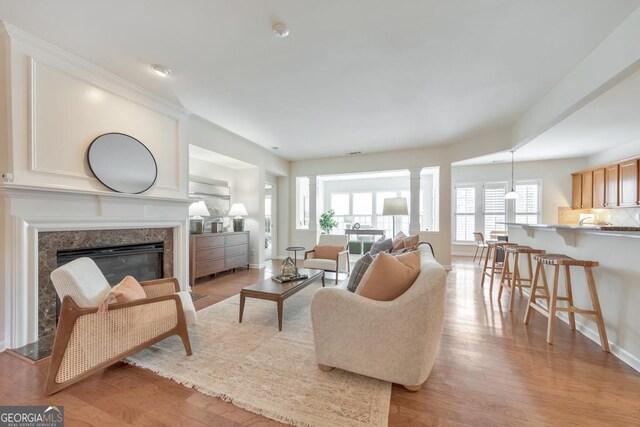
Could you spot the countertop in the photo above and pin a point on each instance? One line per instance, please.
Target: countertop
(605, 230)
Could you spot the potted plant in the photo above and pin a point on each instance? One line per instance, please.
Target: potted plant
(327, 223)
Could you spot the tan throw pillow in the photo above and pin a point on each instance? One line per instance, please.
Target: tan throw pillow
(389, 276)
(126, 291)
(327, 252)
(407, 242)
(398, 237)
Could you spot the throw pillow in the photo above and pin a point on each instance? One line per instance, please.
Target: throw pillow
(389, 276)
(398, 238)
(407, 242)
(126, 291)
(359, 268)
(327, 252)
(382, 245)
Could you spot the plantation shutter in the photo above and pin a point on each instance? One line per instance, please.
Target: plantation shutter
(495, 207)
(465, 199)
(528, 203)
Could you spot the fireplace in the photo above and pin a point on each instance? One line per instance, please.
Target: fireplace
(145, 253)
(142, 261)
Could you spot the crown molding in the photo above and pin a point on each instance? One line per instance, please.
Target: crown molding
(14, 33)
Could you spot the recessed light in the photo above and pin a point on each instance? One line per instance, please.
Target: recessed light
(281, 30)
(354, 153)
(161, 70)
(275, 148)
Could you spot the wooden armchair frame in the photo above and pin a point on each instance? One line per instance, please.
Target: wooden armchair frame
(338, 256)
(81, 349)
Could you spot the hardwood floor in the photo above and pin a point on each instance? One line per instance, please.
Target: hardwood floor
(491, 370)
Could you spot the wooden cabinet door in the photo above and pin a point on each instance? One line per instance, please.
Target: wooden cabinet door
(629, 183)
(576, 191)
(587, 190)
(611, 186)
(599, 189)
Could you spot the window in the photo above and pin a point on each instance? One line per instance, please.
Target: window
(482, 206)
(302, 202)
(528, 202)
(465, 213)
(495, 207)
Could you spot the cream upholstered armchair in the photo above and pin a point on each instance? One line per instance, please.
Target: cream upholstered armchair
(338, 264)
(87, 341)
(395, 341)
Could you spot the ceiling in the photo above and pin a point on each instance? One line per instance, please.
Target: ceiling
(200, 153)
(363, 75)
(611, 120)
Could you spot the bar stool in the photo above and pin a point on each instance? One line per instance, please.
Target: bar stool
(552, 298)
(514, 279)
(492, 252)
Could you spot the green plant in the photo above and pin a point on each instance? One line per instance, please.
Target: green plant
(327, 223)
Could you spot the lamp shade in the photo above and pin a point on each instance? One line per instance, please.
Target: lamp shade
(238, 209)
(395, 206)
(198, 209)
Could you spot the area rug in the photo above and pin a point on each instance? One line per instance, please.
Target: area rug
(268, 372)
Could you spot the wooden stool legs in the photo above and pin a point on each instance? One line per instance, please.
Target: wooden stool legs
(553, 297)
(595, 301)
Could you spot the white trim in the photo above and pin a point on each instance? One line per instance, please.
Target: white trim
(593, 335)
(12, 32)
(258, 266)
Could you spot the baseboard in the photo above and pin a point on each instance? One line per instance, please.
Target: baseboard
(593, 335)
(467, 254)
(258, 266)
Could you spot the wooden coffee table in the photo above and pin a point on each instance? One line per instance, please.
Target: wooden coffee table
(271, 290)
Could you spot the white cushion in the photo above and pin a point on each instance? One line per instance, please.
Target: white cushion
(82, 280)
(320, 264)
(188, 307)
(333, 240)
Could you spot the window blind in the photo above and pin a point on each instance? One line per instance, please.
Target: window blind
(495, 207)
(465, 199)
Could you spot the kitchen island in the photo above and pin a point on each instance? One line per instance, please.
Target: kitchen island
(617, 249)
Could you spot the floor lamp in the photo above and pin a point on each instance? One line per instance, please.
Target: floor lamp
(395, 206)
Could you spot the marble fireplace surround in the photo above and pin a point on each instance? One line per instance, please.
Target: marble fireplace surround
(49, 242)
(31, 213)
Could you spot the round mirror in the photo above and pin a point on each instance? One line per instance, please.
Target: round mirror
(122, 163)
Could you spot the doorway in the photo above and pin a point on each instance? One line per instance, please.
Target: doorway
(270, 222)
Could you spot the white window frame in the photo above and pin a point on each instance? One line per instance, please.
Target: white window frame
(537, 182)
(455, 211)
(302, 204)
(480, 214)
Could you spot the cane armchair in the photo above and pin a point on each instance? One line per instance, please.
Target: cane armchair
(87, 340)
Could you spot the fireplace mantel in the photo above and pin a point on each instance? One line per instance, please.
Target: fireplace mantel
(29, 211)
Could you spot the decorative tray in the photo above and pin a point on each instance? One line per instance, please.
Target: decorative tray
(283, 279)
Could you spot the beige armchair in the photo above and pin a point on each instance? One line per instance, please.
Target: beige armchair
(87, 341)
(339, 264)
(395, 341)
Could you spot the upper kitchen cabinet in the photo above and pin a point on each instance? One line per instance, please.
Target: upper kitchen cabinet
(599, 188)
(582, 190)
(629, 183)
(611, 179)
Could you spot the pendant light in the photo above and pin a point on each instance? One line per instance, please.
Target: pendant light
(511, 194)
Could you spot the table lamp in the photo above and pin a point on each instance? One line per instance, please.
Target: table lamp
(395, 206)
(237, 211)
(196, 222)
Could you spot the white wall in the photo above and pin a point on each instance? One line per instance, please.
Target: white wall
(210, 173)
(247, 185)
(614, 154)
(395, 160)
(60, 103)
(555, 176)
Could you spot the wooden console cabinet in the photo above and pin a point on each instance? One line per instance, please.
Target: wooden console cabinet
(212, 253)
